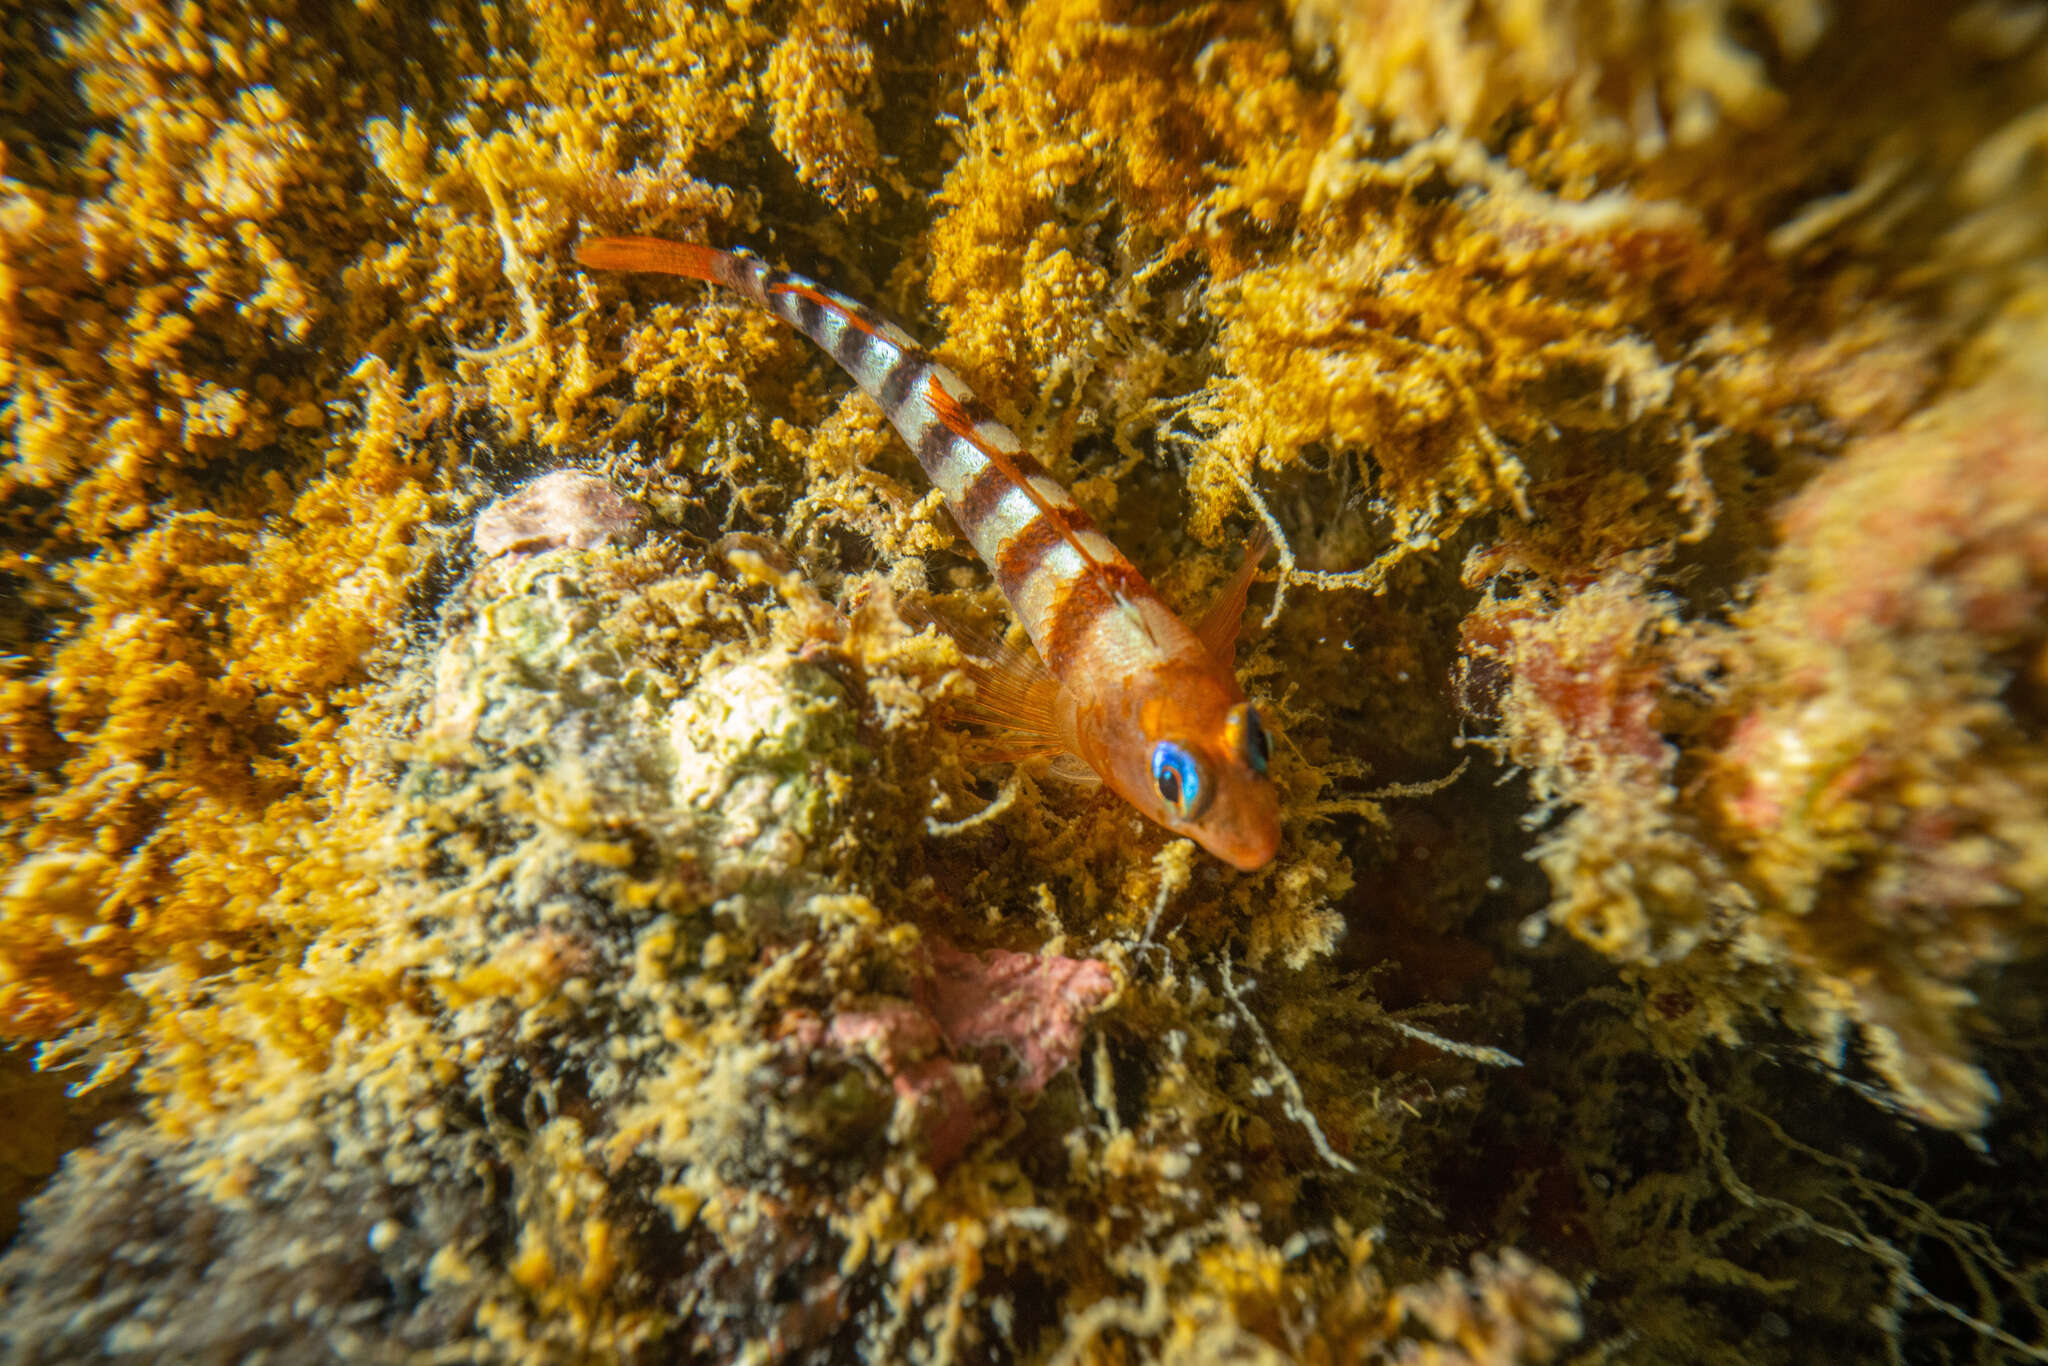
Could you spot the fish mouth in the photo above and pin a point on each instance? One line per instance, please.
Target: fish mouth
(1248, 856)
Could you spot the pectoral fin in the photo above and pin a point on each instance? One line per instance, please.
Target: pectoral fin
(1014, 713)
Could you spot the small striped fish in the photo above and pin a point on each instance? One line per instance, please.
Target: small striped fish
(1146, 702)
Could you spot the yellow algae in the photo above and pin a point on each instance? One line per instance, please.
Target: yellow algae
(1626, 77)
(552, 945)
(820, 83)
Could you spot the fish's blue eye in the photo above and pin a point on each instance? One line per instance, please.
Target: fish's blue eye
(1178, 776)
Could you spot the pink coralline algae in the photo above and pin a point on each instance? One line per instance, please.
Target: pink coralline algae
(1034, 1006)
(971, 1011)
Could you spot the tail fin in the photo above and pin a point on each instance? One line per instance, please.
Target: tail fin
(656, 254)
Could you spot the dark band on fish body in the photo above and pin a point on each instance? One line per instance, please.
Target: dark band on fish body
(988, 487)
(1085, 600)
(1019, 557)
(852, 346)
(797, 308)
(981, 496)
(903, 376)
(933, 448)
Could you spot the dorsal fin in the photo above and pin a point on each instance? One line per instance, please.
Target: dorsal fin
(961, 423)
(1219, 625)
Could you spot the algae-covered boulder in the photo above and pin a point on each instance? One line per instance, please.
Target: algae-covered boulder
(765, 744)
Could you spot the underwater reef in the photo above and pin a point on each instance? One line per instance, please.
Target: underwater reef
(491, 867)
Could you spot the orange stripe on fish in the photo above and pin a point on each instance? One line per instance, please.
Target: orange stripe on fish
(1151, 706)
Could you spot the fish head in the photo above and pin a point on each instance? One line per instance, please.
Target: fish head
(1190, 751)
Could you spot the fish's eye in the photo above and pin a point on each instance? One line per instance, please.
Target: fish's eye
(1178, 776)
(1245, 733)
(1258, 749)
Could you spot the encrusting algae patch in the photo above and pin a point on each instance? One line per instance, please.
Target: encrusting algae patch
(488, 847)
